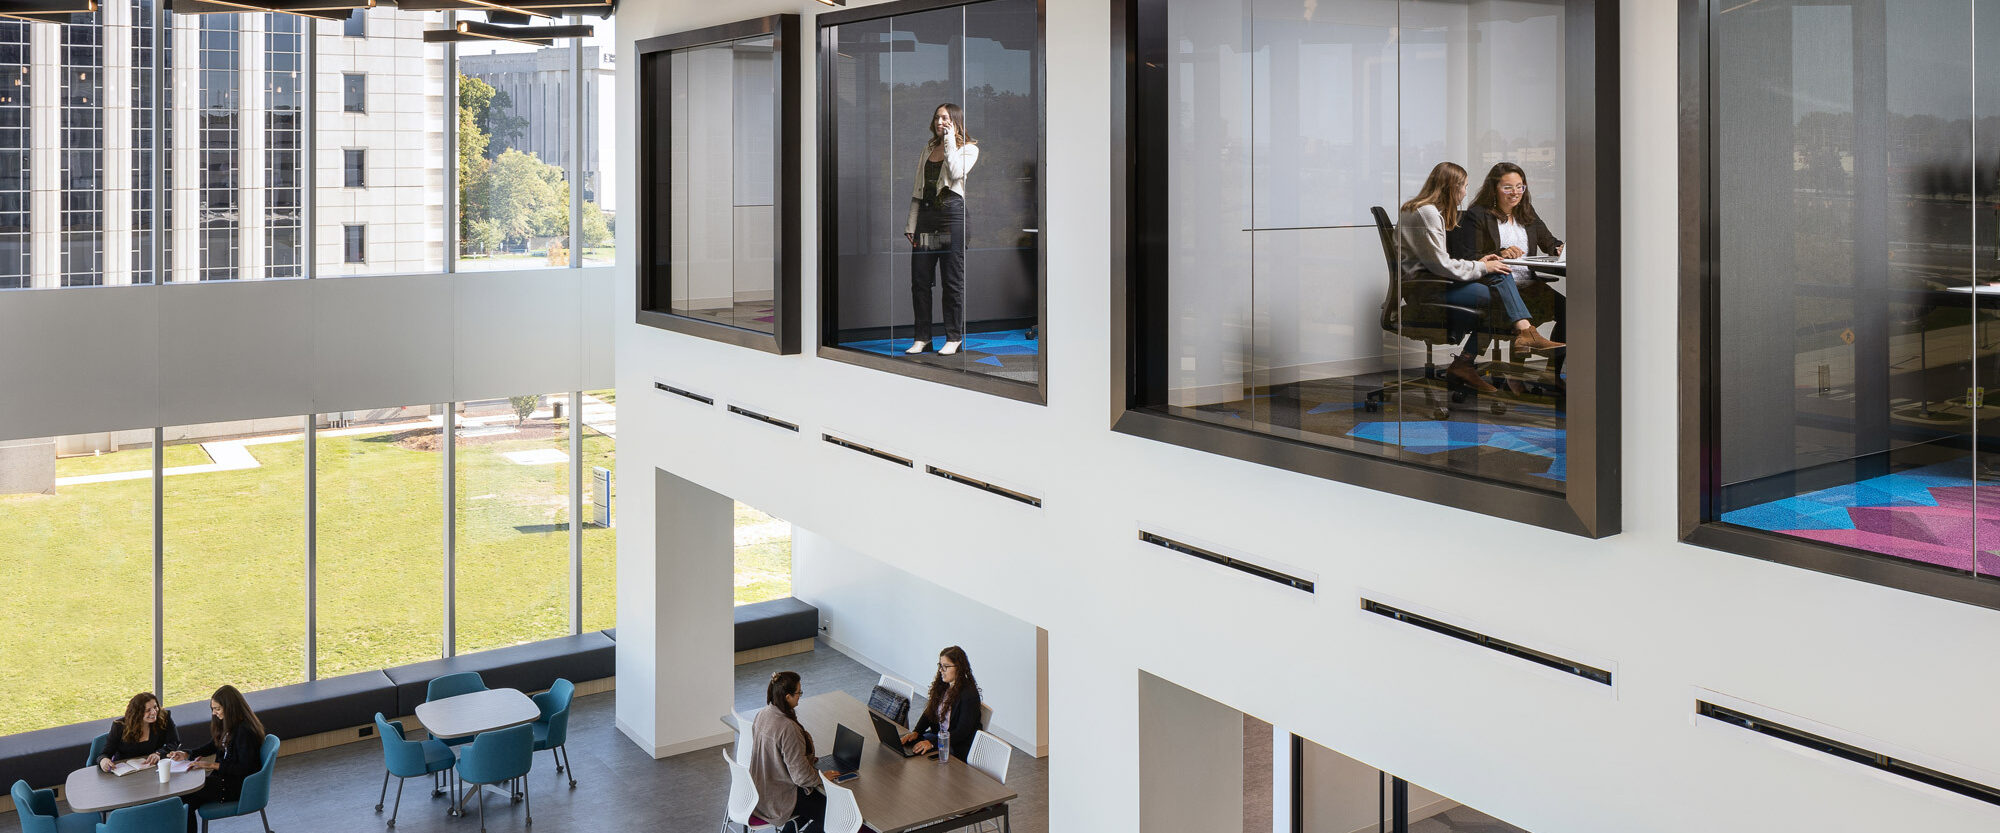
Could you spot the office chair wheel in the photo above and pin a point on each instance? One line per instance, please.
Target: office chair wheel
(1498, 408)
(1371, 406)
(1458, 397)
(1440, 414)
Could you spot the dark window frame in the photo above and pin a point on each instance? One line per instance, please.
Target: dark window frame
(1591, 505)
(355, 25)
(347, 242)
(354, 167)
(653, 289)
(829, 230)
(1700, 364)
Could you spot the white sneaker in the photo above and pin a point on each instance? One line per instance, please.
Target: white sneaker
(918, 347)
(949, 348)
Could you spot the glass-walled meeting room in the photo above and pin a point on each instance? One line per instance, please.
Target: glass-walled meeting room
(931, 136)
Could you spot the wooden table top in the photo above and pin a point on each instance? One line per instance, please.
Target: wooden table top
(479, 711)
(92, 790)
(898, 793)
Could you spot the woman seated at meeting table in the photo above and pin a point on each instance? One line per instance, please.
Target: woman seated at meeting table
(236, 739)
(1422, 252)
(145, 732)
(782, 761)
(951, 710)
(1502, 221)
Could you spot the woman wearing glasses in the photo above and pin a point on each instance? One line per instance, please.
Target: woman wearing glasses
(951, 713)
(1502, 221)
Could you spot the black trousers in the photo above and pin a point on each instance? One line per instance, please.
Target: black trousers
(213, 790)
(809, 815)
(947, 261)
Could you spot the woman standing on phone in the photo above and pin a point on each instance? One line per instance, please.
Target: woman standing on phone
(936, 229)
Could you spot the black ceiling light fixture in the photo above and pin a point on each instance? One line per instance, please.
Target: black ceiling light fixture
(320, 9)
(838, 3)
(473, 30)
(45, 11)
(511, 10)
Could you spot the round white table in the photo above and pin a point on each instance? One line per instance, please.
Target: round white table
(92, 790)
(480, 711)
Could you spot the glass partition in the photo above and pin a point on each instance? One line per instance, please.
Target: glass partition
(512, 530)
(600, 534)
(379, 539)
(722, 246)
(1351, 233)
(931, 209)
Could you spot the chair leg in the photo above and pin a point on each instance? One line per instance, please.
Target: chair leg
(266, 819)
(564, 749)
(399, 802)
(437, 784)
(482, 809)
(385, 792)
(528, 804)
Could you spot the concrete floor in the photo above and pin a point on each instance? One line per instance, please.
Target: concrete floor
(619, 788)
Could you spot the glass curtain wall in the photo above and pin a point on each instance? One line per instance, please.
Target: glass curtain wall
(599, 107)
(378, 488)
(513, 543)
(1303, 301)
(396, 199)
(76, 524)
(1856, 321)
(917, 264)
(515, 110)
(721, 200)
(600, 533)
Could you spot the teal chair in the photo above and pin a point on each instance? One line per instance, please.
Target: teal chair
(408, 759)
(452, 685)
(254, 795)
(552, 729)
(97, 749)
(498, 757)
(37, 809)
(167, 815)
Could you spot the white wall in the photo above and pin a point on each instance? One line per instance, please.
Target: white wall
(118, 358)
(1550, 755)
(897, 623)
(1190, 761)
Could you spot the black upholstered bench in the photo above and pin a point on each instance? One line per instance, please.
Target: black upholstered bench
(774, 623)
(530, 667)
(295, 711)
(45, 757)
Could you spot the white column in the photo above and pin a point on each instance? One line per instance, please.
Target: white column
(676, 637)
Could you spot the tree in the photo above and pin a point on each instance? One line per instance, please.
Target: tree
(596, 229)
(524, 407)
(517, 192)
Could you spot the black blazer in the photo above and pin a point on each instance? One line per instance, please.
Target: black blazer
(165, 739)
(240, 759)
(964, 721)
(1478, 235)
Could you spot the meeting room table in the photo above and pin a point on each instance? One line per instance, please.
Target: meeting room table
(897, 793)
(92, 790)
(480, 711)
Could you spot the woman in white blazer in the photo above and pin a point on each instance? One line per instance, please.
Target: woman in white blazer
(936, 229)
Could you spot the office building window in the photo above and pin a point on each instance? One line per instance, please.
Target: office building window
(403, 167)
(14, 155)
(601, 106)
(146, 164)
(1318, 272)
(512, 532)
(379, 483)
(71, 508)
(82, 132)
(353, 164)
(220, 158)
(1845, 365)
(355, 242)
(354, 93)
(356, 24)
(284, 154)
(514, 104)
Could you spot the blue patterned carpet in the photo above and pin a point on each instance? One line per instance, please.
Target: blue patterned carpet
(998, 349)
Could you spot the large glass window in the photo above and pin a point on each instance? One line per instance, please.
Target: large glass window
(722, 262)
(76, 524)
(15, 173)
(234, 564)
(600, 534)
(1354, 232)
(933, 235)
(512, 533)
(763, 556)
(379, 537)
(399, 133)
(600, 108)
(514, 142)
(1849, 308)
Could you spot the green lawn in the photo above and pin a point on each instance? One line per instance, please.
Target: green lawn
(137, 459)
(763, 556)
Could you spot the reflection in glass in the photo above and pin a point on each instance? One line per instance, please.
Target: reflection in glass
(76, 524)
(1299, 304)
(379, 487)
(512, 529)
(722, 182)
(936, 243)
(234, 568)
(1855, 333)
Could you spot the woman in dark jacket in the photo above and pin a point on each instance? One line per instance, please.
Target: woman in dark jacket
(952, 708)
(236, 739)
(1502, 221)
(146, 731)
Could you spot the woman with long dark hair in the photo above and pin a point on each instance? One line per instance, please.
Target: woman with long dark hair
(1422, 252)
(951, 710)
(1502, 221)
(782, 759)
(146, 731)
(936, 228)
(236, 739)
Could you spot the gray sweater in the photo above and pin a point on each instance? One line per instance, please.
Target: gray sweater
(1421, 251)
(781, 761)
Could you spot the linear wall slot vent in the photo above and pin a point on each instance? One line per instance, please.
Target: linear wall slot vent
(767, 420)
(1257, 570)
(1850, 752)
(687, 393)
(1567, 666)
(984, 486)
(876, 453)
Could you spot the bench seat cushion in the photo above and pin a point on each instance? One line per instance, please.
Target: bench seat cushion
(295, 711)
(45, 757)
(775, 622)
(530, 667)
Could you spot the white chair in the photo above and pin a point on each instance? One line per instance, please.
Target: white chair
(991, 756)
(907, 689)
(843, 815)
(743, 721)
(742, 800)
(985, 715)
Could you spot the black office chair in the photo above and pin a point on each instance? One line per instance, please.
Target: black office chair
(1414, 308)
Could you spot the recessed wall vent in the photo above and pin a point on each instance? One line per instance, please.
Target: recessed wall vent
(1231, 562)
(1547, 660)
(876, 453)
(767, 420)
(1849, 752)
(984, 486)
(687, 393)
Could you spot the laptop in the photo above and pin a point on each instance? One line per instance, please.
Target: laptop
(846, 757)
(890, 733)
